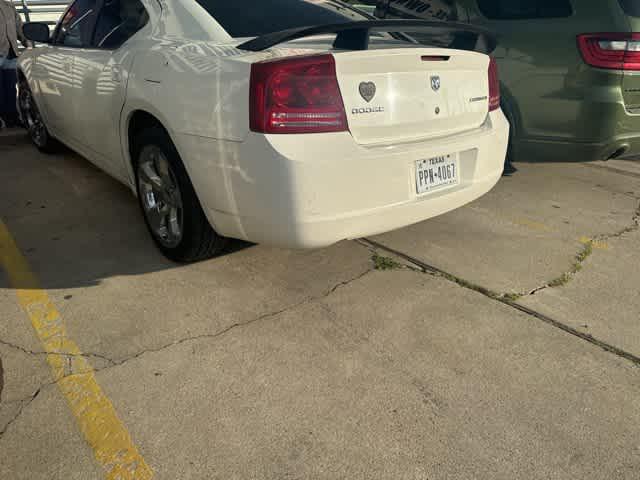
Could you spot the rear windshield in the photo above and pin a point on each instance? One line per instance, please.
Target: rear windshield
(631, 7)
(252, 18)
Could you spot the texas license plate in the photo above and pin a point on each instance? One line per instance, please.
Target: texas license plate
(437, 172)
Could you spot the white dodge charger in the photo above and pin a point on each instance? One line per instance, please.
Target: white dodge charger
(295, 123)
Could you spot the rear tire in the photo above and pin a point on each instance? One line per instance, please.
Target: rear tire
(168, 201)
(33, 121)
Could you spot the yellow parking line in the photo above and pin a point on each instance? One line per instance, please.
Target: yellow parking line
(95, 414)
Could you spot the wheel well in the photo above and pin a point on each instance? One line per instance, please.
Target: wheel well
(141, 120)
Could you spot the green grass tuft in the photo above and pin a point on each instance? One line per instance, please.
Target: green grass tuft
(576, 266)
(384, 263)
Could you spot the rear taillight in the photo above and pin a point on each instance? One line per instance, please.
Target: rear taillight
(617, 51)
(494, 86)
(296, 95)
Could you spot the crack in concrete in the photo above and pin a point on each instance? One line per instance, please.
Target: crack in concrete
(566, 277)
(423, 267)
(25, 402)
(239, 324)
(117, 363)
(26, 351)
(584, 254)
(505, 299)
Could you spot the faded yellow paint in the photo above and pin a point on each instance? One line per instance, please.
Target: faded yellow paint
(597, 244)
(96, 416)
(531, 224)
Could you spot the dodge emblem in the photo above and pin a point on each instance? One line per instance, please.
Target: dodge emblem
(435, 83)
(367, 90)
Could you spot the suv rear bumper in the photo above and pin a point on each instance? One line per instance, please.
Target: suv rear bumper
(568, 151)
(308, 191)
(601, 125)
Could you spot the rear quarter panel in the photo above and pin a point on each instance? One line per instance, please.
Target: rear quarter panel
(199, 91)
(200, 88)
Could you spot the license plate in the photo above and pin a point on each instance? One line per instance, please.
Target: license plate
(437, 172)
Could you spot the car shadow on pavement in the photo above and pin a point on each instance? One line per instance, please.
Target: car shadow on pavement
(75, 225)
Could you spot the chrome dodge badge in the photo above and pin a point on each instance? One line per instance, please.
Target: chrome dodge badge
(367, 90)
(435, 83)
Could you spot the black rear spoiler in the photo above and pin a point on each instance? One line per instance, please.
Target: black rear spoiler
(355, 35)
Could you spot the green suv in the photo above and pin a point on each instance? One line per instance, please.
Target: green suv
(569, 70)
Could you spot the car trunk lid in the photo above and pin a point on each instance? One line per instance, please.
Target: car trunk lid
(409, 94)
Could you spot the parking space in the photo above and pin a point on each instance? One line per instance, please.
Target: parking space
(400, 356)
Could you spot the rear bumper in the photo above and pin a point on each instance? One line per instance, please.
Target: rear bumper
(308, 191)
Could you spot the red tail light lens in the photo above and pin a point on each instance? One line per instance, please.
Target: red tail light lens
(494, 86)
(617, 51)
(296, 95)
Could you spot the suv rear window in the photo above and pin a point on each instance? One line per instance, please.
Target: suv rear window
(418, 9)
(250, 18)
(631, 7)
(524, 9)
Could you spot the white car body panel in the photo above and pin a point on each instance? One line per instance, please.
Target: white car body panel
(292, 190)
(53, 75)
(326, 187)
(408, 100)
(101, 87)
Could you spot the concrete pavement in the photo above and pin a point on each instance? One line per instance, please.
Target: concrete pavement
(268, 363)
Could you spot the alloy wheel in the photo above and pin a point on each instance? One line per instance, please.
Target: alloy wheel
(160, 196)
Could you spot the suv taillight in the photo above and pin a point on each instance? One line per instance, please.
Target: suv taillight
(617, 51)
(296, 95)
(494, 86)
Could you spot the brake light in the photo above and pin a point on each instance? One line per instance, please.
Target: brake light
(617, 51)
(494, 86)
(296, 95)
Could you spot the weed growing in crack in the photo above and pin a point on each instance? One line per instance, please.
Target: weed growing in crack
(584, 254)
(576, 266)
(512, 297)
(560, 281)
(384, 263)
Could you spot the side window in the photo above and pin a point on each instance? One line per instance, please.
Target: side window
(443, 10)
(525, 9)
(630, 7)
(76, 26)
(118, 21)
(418, 9)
